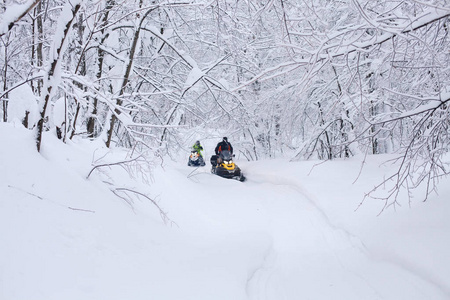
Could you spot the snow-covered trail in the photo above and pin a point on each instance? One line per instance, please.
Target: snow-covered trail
(280, 235)
(303, 254)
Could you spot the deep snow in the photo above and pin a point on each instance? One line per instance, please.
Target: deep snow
(291, 231)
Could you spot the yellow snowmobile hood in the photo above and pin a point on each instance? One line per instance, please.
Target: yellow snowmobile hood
(230, 166)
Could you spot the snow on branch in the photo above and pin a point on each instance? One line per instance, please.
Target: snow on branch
(430, 16)
(186, 58)
(329, 49)
(196, 74)
(272, 72)
(14, 13)
(435, 103)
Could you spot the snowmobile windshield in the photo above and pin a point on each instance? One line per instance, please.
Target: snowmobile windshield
(226, 155)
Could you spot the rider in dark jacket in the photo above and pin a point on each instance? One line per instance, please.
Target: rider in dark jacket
(223, 145)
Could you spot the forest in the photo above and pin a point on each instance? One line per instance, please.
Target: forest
(320, 79)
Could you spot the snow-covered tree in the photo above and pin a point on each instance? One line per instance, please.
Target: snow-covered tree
(317, 78)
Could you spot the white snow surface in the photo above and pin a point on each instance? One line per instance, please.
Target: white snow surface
(289, 232)
(21, 100)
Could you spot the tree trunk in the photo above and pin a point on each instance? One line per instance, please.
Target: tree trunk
(126, 77)
(81, 69)
(90, 126)
(37, 47)
(50, 75)
(5, 83)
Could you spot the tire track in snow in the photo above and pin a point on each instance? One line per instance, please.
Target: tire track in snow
(260, 276)
(343, 252)
(334, 235)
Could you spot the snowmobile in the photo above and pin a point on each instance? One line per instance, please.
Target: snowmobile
(224, 166)
(195, 159)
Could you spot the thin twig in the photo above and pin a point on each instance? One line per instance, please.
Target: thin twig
(163, 214)
(112, 164)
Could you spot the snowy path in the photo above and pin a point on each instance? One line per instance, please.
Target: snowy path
(304, 253)
(278, 236)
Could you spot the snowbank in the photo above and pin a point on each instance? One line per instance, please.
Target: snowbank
(286, 233)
